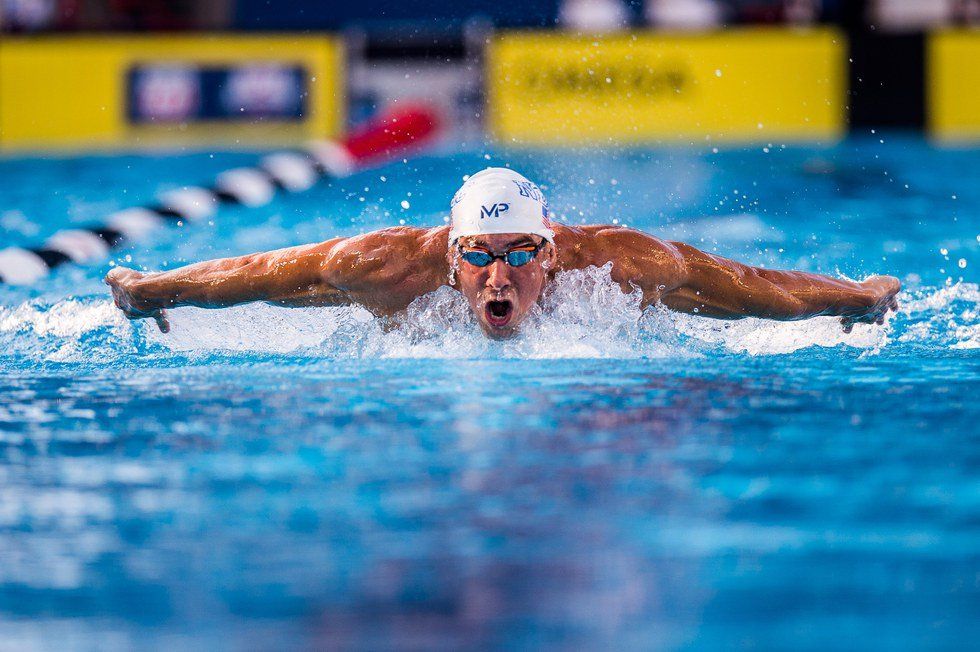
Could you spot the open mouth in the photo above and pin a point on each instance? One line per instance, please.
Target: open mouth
(499, 313)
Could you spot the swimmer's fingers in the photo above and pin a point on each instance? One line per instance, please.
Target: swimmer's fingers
(876, 316)
(884, 298)
(879, 315)
(162, 322)
(890, 304)
(158, 316)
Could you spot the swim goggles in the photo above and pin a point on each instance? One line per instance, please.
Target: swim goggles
(514, 257)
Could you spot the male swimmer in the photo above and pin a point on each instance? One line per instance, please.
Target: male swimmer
(500, 251)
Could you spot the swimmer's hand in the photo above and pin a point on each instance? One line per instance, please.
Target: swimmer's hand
(124, 283)
(881, 298)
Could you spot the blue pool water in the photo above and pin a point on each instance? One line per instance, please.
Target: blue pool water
(272, 479)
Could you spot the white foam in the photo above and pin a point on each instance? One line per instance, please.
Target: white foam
(766, 337)
(584, 315)
(948, 317)
(71, 318)
(256, 327)
(61, 332)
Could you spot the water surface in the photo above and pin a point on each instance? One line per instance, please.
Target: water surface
(611, 479)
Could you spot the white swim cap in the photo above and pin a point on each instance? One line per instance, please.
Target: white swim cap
(499, 200)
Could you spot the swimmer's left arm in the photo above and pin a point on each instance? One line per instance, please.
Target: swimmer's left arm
(713, 286)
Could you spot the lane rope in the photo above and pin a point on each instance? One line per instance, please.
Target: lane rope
(373, 143)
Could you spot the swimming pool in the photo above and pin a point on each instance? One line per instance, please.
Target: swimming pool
(263, 478)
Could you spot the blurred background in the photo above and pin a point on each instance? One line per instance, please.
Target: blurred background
(312, 479)
(123, 73)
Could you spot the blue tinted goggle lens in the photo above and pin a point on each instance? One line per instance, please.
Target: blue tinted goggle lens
(518, 258)
(478, 258)
(513, 258)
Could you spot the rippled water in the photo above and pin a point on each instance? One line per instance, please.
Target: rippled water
(270, 478)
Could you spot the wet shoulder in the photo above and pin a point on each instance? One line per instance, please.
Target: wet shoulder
(598, 244)
(388, 255)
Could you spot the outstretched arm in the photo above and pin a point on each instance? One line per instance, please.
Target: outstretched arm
(717, 287)
(295, 276)
(687, 279)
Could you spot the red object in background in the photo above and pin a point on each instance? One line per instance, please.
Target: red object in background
(403, 129)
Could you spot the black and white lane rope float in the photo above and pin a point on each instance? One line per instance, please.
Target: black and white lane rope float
(372, 143)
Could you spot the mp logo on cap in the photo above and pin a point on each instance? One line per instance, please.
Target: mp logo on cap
(494, 210)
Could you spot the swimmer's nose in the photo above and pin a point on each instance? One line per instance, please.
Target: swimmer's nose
(499, 278)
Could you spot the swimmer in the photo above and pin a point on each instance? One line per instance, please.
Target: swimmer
(501, 252)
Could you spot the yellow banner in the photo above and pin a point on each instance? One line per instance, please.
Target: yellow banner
(953, 73)
(755, 84)
(73, 91)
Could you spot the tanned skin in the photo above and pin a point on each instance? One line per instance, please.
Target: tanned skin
(386, 270)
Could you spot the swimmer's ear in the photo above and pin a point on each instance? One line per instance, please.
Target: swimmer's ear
(551, 256)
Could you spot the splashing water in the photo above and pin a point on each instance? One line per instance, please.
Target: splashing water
(948, 317)
(583, 315)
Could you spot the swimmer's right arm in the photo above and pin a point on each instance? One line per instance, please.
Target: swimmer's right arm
(293, 277)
